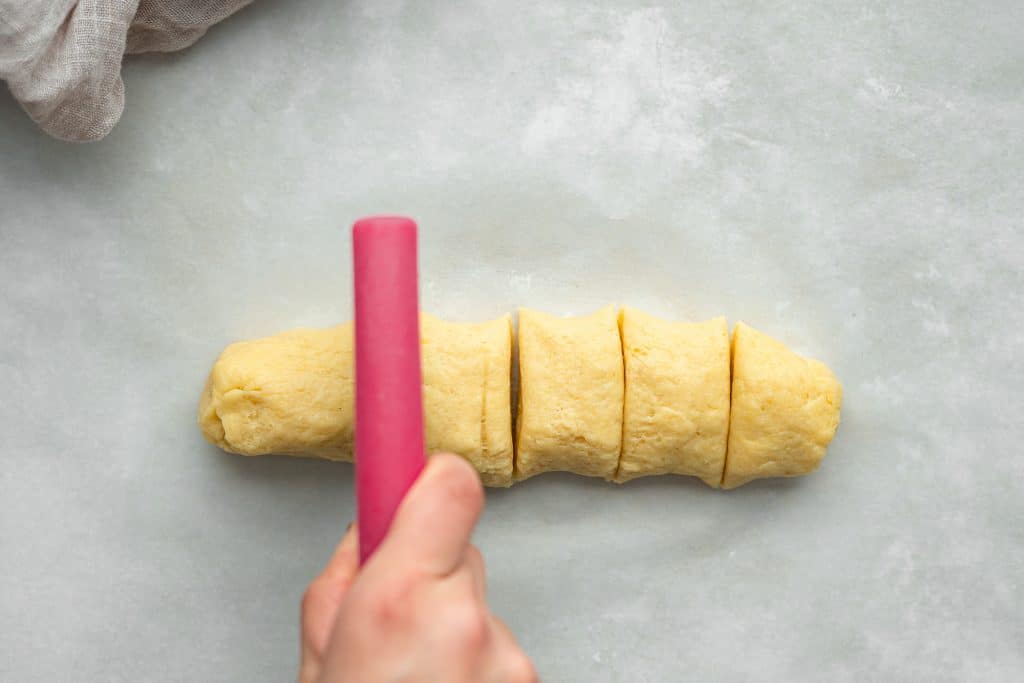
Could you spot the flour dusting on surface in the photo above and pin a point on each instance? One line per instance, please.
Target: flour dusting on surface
(635, 96)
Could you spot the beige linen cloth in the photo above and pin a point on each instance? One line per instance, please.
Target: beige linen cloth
(62, 58)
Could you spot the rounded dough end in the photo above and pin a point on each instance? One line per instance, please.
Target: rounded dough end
(289, 394)
(209, 421)
(785, 410)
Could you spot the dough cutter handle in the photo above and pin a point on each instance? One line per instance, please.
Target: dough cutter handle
(389, 449)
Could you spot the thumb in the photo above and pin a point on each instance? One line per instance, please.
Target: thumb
(434, 523)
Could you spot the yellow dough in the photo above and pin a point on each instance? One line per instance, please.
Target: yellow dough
(571, 393)
(676, 415)
(612, 395)
(292, 394)
(467, 393)
(785, 410)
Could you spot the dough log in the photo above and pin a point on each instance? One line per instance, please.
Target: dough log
(616, 394)
(293, 394)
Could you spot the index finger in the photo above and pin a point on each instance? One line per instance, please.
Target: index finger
(324, 595)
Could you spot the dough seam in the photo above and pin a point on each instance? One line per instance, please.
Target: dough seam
(728, 422)
(517, 350)
(484, 446)
(625, 392)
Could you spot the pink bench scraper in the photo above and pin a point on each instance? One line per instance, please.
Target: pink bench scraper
(389, 399)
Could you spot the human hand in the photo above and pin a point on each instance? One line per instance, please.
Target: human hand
(417, 610)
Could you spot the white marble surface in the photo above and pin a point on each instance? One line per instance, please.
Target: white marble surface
(848, 178)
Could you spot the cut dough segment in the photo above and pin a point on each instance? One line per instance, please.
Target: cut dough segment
(570, 394)
(466, 393)
(290, 394)
(676, 415)
(785, 410)
(293, 394)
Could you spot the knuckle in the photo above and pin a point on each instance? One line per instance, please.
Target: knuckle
(311, 597)
(390, 604)
(470, 626)
(521, 669)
